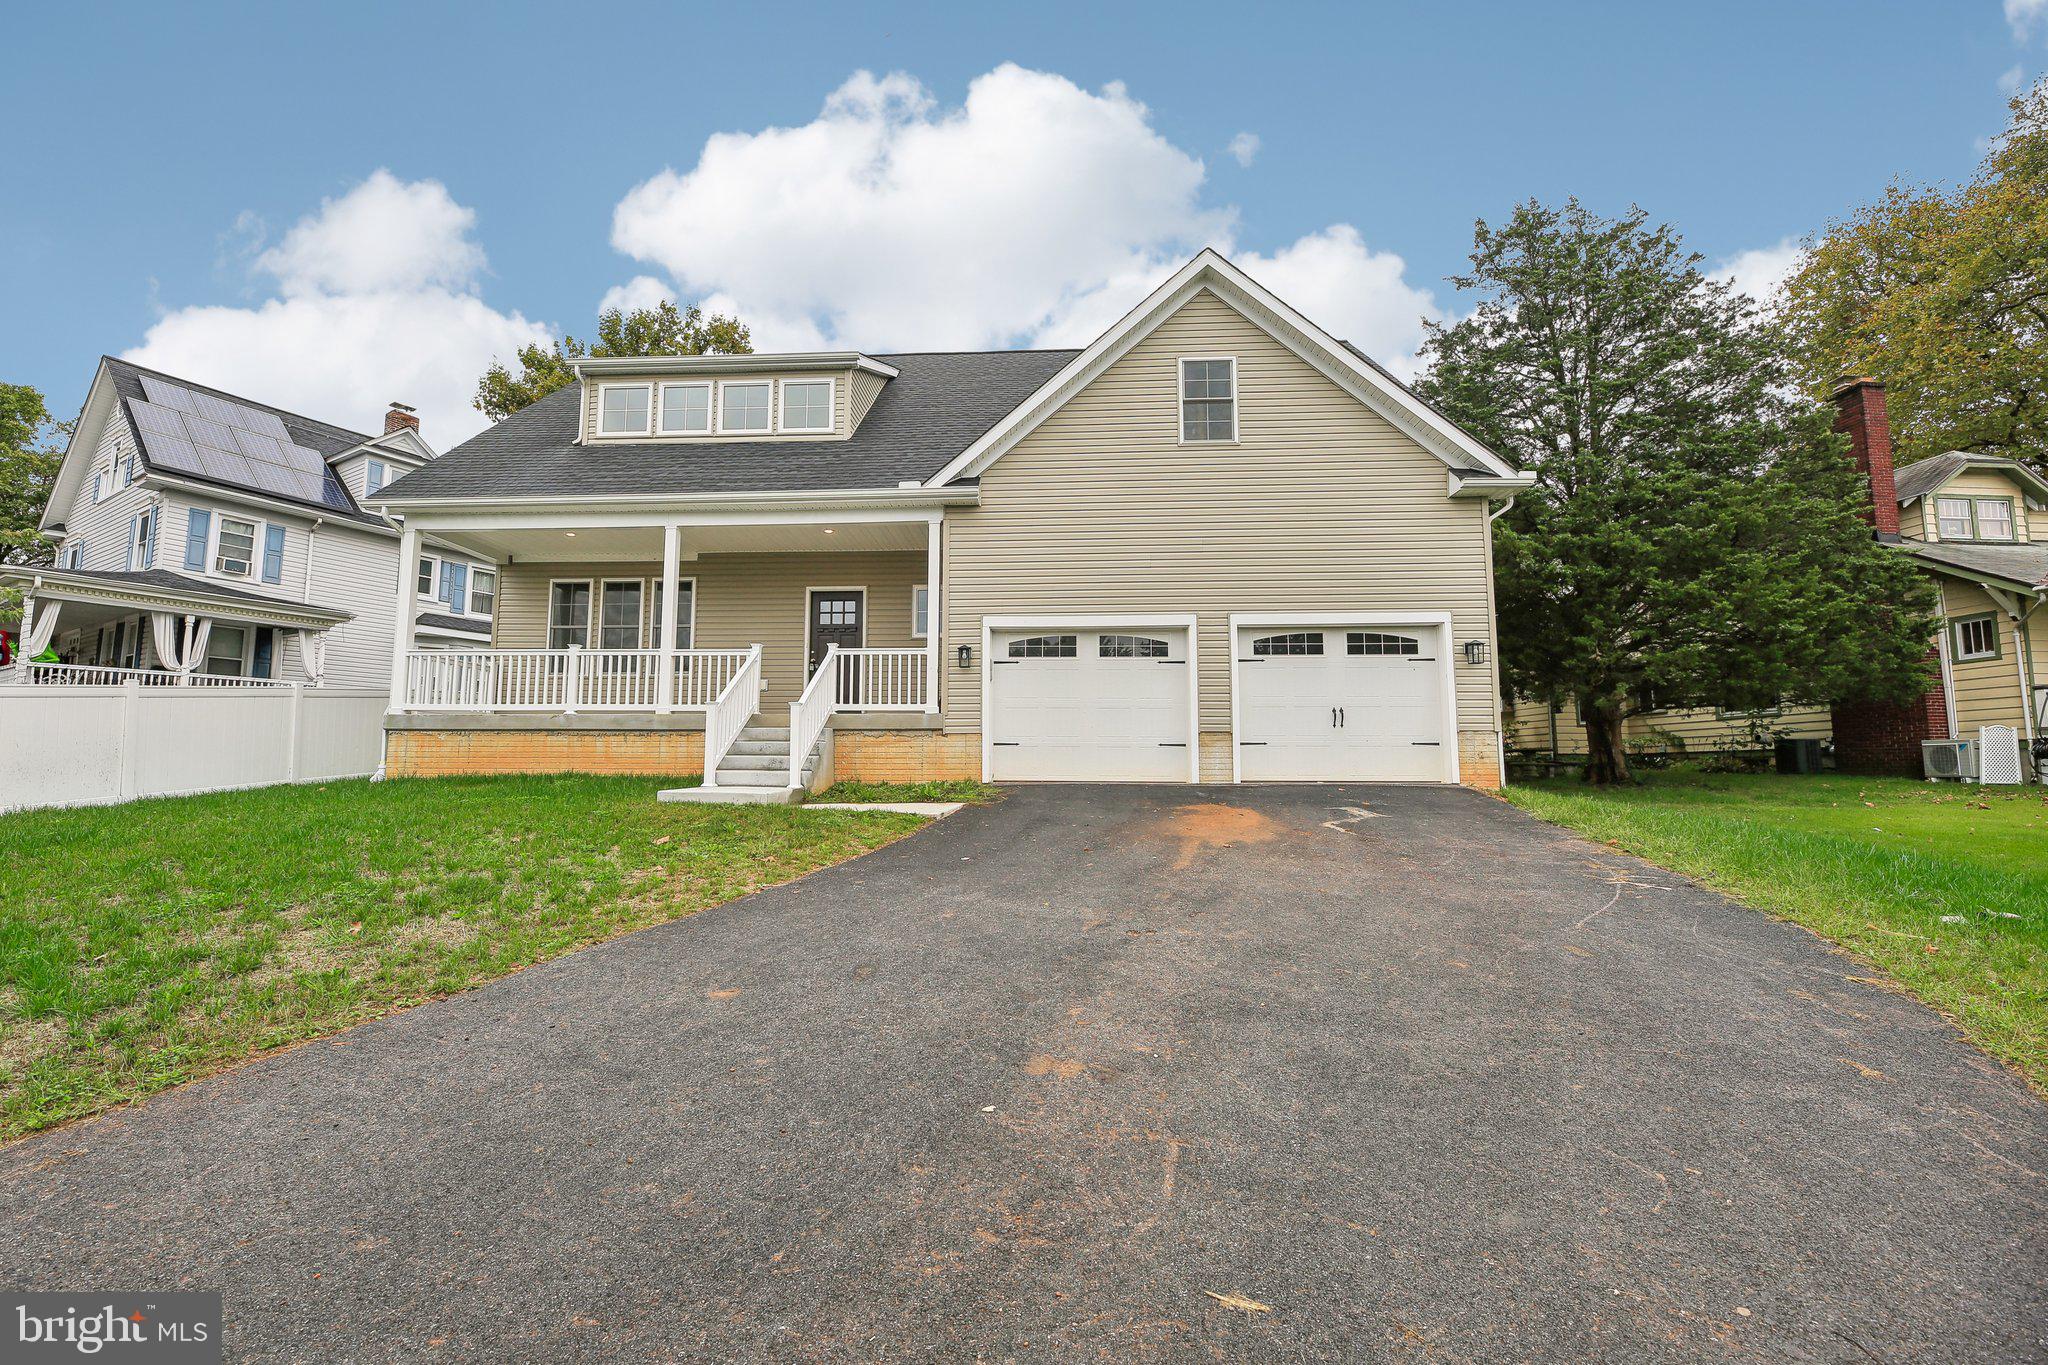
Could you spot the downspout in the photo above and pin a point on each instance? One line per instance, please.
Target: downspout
(306, 594)
(1948, 677)
(2023, 652)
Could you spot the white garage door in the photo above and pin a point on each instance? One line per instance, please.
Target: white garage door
(1340, 703)
(1086, 705)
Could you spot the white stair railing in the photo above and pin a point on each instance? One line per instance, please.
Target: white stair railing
(729, 715)
(810, 713)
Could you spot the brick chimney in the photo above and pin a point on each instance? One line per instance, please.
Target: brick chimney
(1860, 412)
(401, 418)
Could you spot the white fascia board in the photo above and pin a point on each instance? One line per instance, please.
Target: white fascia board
(1210, 270)
(823, 500)
(1469, 485)
(729, 364)
(58, 583)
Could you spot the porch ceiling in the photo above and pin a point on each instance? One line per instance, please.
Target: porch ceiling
(643, 543)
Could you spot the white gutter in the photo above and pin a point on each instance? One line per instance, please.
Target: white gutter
(730, 364)
(214, 490)
(822, 500)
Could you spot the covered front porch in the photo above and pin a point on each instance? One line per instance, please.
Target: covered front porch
(760, 631)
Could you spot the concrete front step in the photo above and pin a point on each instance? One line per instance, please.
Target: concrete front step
(778, 761)
(778, 733)
(777, 747)
(732, 796)
(753, 777)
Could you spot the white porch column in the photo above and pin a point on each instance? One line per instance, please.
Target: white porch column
(408, 610)
(665, 630)
(933, 529)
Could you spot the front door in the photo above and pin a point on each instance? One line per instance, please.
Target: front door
(838, 617)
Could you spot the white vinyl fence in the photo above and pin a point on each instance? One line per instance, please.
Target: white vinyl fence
(90, 746)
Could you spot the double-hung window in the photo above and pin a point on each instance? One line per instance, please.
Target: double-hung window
(1977, 637)
(1208, 399)
(568, 614)
(225, 646)
(430, 571)
(618, 625)
(234, 548)
(375, 475)
(1974, 518)
(624, 409)
(743, 405)
(483, 592)
(685, 409)
(807, 405)
(685, 619)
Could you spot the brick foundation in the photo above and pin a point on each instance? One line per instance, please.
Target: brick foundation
(1479, 759)
(1882, 739)
(455, 753)
(905, 756)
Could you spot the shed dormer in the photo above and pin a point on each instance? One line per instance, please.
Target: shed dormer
(816, 396)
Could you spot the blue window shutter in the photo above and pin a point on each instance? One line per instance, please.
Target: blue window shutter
(454, 585)
(198, 525)
(149, 539)
(265, 653)
(134, 533)
(273, 554)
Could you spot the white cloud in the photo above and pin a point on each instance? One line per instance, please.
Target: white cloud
(2024, 16)
(642, 291)
(1244, 148)
(2010, 81)
(1036, 212)
(1760, 271)
(376, 302)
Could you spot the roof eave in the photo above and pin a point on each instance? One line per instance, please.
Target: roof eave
(142, 594)
(599, 366)
(917, 495)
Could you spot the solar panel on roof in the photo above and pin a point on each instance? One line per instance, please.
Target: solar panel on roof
(169, 395)
(197, 433)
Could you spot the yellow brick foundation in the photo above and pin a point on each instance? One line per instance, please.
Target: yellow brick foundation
(905, 756)
(455, 753)
(1479, 759)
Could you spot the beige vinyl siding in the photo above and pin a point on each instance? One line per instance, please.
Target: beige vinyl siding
(1978, 483)
(1987, 691)
(866, 388)
(1321, 505)
(1694, 729)
(1916, 520)
(841, 390)
(741, 600)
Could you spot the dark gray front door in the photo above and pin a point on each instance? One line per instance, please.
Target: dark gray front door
(838, 617)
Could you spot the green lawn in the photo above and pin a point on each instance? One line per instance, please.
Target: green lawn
(975, 792)
(1943, 887)
(146, 944)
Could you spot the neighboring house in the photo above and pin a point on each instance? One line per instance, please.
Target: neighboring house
(1217, 544)
(203, 537)
(1978, 525)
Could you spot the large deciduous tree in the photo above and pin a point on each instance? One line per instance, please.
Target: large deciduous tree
(31, 448)
(1944, 296)
(661, 330)
(1696, 534)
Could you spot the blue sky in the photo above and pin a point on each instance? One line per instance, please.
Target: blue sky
(170, 164)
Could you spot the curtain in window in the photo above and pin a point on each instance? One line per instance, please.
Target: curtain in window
(179, 650)
(313, 655)
(38, 627)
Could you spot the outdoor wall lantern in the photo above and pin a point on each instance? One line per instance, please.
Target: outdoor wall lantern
(1475, 651)
(967, 656)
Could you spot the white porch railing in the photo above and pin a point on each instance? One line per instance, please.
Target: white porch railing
(855, 680)
(96, 675)
(729, 714)
(567, 679)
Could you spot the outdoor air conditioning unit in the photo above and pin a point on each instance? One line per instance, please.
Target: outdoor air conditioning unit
(1949, 760)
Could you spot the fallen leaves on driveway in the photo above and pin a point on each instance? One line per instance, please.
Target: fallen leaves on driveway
(1239, 1302)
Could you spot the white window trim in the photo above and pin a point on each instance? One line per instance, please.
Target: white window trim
(639, 615)
(248, 659)
(723, 385)
(469, 604)
(371, 481)
(661, 400)
(547, 626)
(603, 389)
(433, 577)
(915, 633)
(1180, 406)
(1990, 619)
(831, 405)
(654, 591)
(256, 541)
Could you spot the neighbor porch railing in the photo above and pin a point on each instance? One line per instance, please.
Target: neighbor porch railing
(855, 680)
(729, 714)
(569, 679)
(96, 675)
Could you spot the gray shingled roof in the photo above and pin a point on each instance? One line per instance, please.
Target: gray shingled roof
(1922, 477)
(441, 621)
(937, 406)
(163, 580)
(2014, 563)
(329, 440)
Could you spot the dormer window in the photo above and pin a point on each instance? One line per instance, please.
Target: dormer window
(685, 409)
(624, 409)
(807, 405)
(744, 405)
(375, 476)
(1974, 518)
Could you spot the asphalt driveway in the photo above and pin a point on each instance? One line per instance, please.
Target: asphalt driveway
(1428, 1079)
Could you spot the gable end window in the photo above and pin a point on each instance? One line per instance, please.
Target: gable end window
(807, 405)
(623, 409)
(1046, 647)
(1297, 642)
(234, 549)
(685, 409)
(743, 405)
(1208, 399)
(1977, 637)
(375, 476)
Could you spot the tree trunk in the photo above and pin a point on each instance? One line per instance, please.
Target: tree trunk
(1606, 759)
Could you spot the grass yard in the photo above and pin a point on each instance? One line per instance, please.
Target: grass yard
(1943, 887)
(147, 944)
(975, 793)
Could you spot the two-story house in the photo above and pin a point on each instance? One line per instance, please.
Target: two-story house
(1216, 544)
(205, 538)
